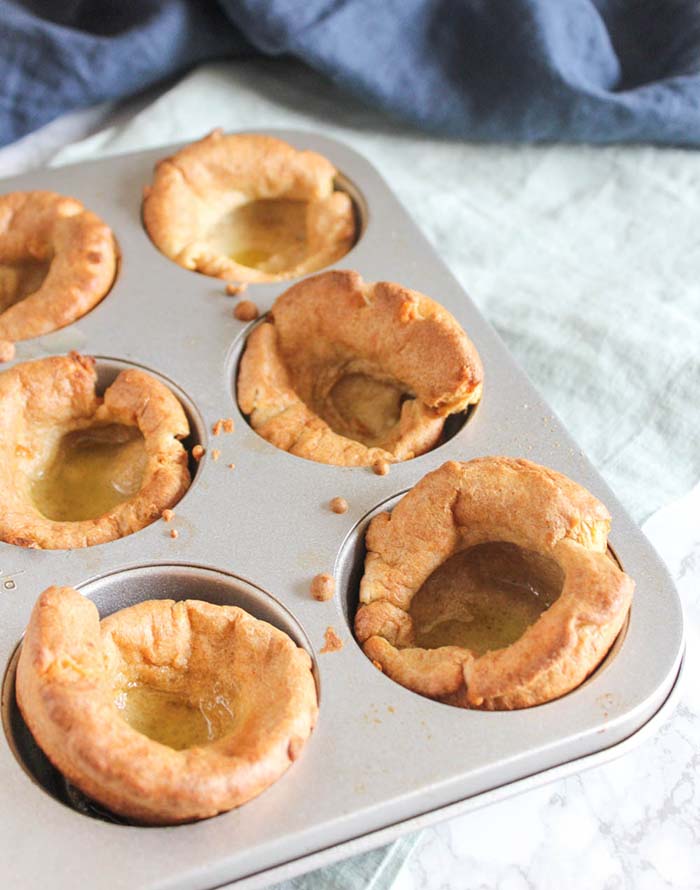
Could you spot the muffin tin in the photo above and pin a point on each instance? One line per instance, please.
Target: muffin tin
(382, 760)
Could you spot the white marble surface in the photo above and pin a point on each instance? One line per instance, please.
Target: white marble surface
(633, 823)
(587, 261)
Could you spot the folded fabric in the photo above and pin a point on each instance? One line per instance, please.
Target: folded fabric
(496, 70)
(56, 57)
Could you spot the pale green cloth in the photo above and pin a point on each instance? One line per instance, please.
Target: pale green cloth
(375, 870)
(586, 260)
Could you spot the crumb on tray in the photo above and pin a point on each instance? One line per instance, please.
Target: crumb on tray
(323, 587)
(339, 505)
(332, 643)
(246, 310)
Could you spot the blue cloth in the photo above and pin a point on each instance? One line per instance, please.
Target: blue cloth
(507, 70)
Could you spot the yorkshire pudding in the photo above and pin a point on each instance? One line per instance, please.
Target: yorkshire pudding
(348, 372)
(78, 469)
(535, 522)
(166, 711)
(57, 260)
(248, 208)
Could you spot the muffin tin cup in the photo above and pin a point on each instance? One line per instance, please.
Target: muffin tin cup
(119, 590)
(382, 759)
(350, 565)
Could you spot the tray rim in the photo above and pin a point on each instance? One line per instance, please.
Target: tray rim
(373, 839)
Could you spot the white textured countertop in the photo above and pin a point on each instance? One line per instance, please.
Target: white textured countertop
(587, 261)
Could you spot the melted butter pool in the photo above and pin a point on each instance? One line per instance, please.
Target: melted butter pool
(91, 472)
(366, 408)
(484, 598)
(171, 719)
(259, 233)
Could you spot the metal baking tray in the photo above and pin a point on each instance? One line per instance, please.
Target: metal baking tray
(382, 759)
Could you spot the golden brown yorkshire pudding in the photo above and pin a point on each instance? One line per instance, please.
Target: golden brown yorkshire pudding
(78, 469)
(493, 550)
(348, 372)
(166, 711)
(248, 208)
(57, 260)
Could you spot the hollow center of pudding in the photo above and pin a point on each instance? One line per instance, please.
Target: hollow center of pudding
(364, 408)
(90, 472)
(172, 719)
(268, 235)
(484, 598)
(19, 280)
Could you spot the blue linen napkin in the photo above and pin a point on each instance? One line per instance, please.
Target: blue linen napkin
(496, 70)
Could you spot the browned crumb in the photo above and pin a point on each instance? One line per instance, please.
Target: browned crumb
(215, 454)
(198, 452)
(246, 310)
(7, 350)
(222, 425)
(146, 191)
(233, 290)
(232, 466)
(381, 467)
(339, 505)
(167, 514)
(323, 587)
(174, 533)
(333, 643)
(378, 665)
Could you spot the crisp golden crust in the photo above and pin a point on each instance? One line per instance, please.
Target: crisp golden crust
(42, 233)
(70, 667)
(40, 402)
(459, 506)
(200, 209)
(334, 327)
